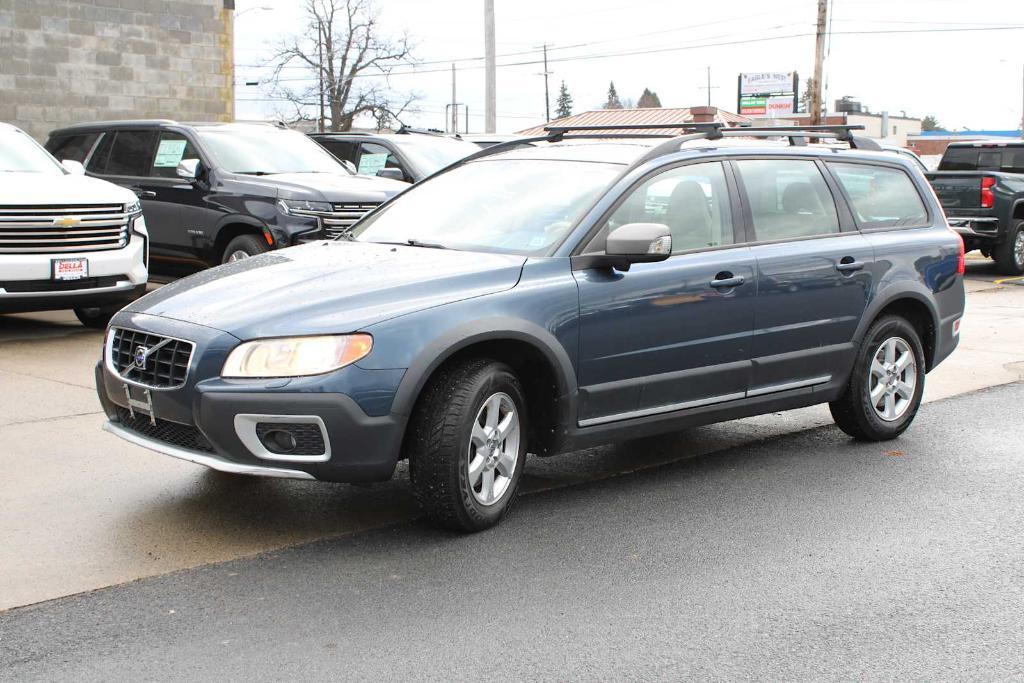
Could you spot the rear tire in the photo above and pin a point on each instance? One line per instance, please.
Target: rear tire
(884, 391)
(243, 247)
(467, 445)
(96, 318)
(1009, 255)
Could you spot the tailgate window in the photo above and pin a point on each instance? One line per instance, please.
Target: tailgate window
(880, 196)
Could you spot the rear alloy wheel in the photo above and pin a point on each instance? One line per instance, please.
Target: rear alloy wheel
(1009, 255)
(243, 247)
(467, 445)
(885, 388)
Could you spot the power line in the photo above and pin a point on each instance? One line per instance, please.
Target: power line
(609, 55)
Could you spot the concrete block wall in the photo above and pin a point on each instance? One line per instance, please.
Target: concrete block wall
(73, 61)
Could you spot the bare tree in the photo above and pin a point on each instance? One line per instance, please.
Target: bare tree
(342, 49)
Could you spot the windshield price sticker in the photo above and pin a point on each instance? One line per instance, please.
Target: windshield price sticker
(169, 153)
(371, 164)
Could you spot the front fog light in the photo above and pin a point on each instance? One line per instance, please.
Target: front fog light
(296, 356)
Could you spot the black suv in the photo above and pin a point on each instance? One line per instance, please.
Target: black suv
(219, 192)
(410, 155)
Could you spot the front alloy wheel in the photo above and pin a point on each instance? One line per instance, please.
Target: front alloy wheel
(467, 444)
(493, 449)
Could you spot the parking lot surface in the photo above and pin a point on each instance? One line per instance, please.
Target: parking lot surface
(82, 510)
(804, 556)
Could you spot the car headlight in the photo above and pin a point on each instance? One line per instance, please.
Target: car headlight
(302, 206)
(133, 207)
(296, 356)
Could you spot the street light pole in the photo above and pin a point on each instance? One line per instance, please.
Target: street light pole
(819, 63)
(490, 87)
(320, 70)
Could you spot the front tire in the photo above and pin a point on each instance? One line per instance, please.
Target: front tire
(96, 318)
(1009, 255)
(885, 388)
(243, 247)
(467, 445)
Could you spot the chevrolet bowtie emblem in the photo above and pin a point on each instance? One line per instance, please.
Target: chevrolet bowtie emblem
(67, 221)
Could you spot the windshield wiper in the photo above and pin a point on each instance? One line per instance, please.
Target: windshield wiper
(417, 243)
(255, 172)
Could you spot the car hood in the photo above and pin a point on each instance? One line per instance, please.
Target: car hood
(40, 189)
(328, 287)
(336, 187)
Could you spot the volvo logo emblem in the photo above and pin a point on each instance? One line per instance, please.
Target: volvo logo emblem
(141, 354)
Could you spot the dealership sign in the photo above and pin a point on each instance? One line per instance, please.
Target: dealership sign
(767, 94)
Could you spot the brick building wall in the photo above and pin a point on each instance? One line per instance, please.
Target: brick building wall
(72, 61)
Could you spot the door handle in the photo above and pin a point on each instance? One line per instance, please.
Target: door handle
(143, 194)
(729, 280)
(848, 265)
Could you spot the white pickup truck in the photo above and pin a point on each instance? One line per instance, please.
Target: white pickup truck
(66, 241)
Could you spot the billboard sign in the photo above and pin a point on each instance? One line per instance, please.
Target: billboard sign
(767, 84)
(767, 94)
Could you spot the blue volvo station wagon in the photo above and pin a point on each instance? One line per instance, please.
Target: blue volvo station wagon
(552, 296)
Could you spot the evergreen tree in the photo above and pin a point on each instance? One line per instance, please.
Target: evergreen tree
(613, 98)
(931, 123)
(649, 100)
(563, 105)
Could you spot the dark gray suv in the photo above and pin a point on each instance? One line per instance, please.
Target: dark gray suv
(545, 298)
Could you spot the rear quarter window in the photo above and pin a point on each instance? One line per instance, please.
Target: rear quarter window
(880, 196)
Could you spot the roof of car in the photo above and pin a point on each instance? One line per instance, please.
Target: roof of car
(156, 123)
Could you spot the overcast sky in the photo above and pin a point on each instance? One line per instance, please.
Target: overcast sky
(928, 64)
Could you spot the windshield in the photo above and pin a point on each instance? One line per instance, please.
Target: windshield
(519, 206)
(430, 154)
(263, 150)
(21, 154)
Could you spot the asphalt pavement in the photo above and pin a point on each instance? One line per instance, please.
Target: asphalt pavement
(805, 556)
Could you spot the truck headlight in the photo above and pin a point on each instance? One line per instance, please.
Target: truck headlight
(303, 207)
(133, 207)
(296, 356)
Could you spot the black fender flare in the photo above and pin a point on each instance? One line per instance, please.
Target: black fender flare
(892, 293)
(455, 339)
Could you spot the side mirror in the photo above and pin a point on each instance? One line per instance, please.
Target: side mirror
(629, 244)
(188, 169)
(73, 167)
(640, 242)
(391, 174)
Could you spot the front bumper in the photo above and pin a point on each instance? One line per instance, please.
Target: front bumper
(117, 276)
(199, 421)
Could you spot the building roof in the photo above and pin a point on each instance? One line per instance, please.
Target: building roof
(611, 117)
(962, 134)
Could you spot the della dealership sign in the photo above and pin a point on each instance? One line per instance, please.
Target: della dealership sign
(767, 94)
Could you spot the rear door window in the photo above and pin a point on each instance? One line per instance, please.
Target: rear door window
(74, 147)
(788, 198)
(131, 153)
(881, 197)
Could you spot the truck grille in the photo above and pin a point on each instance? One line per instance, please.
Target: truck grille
(345, 216)
(172, 433)
(164, 368)
(58, 229)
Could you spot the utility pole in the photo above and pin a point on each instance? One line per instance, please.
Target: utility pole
(455, 106)
(819, 62)
(708, 87)
(547, 101)
(490, 92)
(320, 50)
